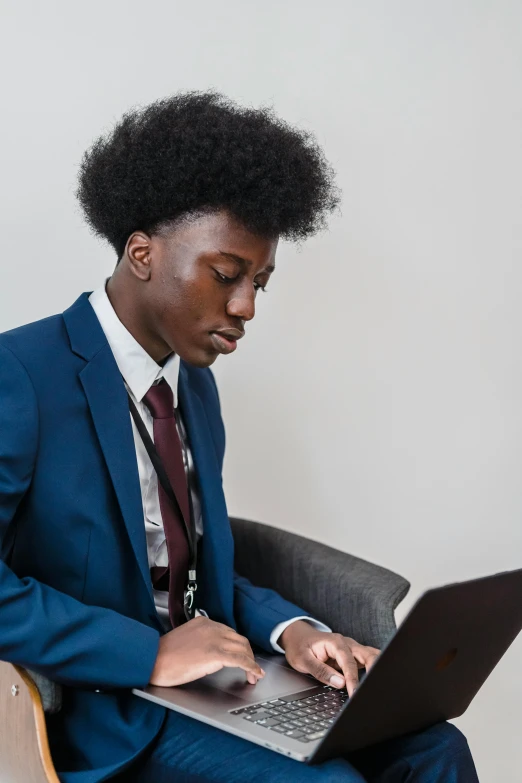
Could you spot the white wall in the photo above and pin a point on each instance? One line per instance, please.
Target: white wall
(376, 404)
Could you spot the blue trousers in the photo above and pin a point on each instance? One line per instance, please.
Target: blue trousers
(187, 751)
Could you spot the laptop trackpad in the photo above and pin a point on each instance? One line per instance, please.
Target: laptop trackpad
(278, 680)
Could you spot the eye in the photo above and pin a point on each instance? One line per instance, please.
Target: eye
(258, 287)
(224, 278)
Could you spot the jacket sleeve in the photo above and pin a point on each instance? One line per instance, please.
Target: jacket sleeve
(42, 628)
(258, 610)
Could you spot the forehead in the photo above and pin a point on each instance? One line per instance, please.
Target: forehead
(220, 233)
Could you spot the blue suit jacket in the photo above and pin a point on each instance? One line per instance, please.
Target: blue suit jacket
(76, 599)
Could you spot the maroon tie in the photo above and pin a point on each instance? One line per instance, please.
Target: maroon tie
(160, 401)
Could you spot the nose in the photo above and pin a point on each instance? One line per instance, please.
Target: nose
(243, 307)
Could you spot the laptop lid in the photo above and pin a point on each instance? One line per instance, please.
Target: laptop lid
(434, 665)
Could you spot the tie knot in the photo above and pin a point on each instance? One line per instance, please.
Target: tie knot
(160, 401)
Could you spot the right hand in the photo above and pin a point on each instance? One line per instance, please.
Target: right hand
(199, 647)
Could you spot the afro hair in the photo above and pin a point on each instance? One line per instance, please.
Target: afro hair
(197, 152)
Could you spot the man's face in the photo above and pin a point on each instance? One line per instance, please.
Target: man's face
(202, 286)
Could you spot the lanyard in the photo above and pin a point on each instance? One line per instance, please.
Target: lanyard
(190, 529)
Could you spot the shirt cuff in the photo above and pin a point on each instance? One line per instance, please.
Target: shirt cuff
(280, 627)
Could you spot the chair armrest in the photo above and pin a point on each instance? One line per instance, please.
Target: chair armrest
(352, 596)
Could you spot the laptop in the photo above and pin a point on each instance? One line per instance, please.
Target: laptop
(429, 671)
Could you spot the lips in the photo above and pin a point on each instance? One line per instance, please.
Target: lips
(223, 344)
(225, 340)
(230, 333)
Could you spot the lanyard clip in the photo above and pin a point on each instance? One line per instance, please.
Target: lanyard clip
(188, 596)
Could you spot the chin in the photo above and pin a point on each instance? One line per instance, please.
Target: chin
(200, 360)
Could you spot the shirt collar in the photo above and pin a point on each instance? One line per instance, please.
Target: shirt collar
(138, 368)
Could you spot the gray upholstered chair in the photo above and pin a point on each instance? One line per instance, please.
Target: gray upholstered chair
(352, 596)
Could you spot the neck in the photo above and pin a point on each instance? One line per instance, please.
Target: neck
(123, 296)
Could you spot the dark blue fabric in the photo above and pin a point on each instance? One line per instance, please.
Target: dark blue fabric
(188, 751)
(76, 601)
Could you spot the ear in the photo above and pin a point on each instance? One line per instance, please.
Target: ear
(138, 251)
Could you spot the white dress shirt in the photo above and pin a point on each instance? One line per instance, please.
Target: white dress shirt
(140, 372)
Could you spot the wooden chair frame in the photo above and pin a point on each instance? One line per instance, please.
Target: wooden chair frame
(24, 749)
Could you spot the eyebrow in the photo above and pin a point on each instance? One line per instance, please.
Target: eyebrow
(244, 261)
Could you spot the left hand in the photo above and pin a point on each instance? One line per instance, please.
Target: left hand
(329, 657)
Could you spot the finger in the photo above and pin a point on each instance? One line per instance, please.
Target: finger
(243, 641)
(332, 662)
(340, 650)
(366, 656)
(320, 670)
(243, 662)
(239, 645)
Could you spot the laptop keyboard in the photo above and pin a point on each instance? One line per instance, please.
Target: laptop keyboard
(305, 716)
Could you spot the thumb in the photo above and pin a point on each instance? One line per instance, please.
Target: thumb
(324, 673)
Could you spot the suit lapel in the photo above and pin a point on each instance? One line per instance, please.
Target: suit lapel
(216, 548)
(107, 399)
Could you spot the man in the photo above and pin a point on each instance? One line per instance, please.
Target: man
(98, 569)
